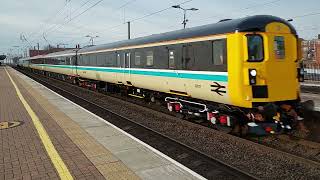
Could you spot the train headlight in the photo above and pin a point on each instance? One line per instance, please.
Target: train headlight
(253, 72)
(252, 76)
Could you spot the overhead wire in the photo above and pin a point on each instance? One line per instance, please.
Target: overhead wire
(56, 26)
(306, 15)
(165, 9)
(77, 28)
(51, 18)
(162, 10)
(125, 4)
(236, 10)
(136, 19)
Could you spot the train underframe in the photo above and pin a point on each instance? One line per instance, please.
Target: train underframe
(264, 119)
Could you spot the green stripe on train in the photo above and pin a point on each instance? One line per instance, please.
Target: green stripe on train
(209, 77)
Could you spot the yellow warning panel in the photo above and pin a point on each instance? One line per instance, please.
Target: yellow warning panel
(7, 125)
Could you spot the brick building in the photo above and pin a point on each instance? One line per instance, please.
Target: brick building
(311, 50)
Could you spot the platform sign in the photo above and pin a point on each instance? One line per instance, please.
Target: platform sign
(7, 125)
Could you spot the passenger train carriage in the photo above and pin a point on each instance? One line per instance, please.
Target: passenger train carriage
(241, 64)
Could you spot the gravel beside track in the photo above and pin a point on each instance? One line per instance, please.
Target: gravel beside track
(258, 160)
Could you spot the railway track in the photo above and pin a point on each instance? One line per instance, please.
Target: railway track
(200, 162)
(310, 89)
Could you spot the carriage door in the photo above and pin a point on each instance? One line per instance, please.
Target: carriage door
(126, 75)
(123, 62)
(120, 66)
(74, 64)
(176, 84)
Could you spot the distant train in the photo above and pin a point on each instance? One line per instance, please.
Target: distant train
(231, 72)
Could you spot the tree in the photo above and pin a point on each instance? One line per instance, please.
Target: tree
(3, 57)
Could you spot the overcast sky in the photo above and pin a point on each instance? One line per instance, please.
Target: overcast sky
(48, 21)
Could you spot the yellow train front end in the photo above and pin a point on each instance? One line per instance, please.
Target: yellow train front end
(263, 66)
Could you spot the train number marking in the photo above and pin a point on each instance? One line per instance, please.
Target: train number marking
(219, 89)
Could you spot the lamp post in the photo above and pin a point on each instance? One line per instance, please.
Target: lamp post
(91, 38)
(185, 20)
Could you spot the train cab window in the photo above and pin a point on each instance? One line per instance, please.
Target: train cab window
(150, 58)
(255, 48)
(219, 52)
(279, 48)
(137, 58)
(172, 64)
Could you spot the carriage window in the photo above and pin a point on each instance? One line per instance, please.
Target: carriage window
(172, 63)
(101, 59)
(79, 60)
(149, 58)
(93, 60)
(219, 52)
(61, 60)
(279, 48)
(255, 48)
(110, 60)
(137, 58)
(68, 61)
(85, 60)
(73, 60)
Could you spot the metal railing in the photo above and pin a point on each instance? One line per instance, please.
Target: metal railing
(311, 71)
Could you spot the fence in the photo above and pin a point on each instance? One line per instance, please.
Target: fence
(312, 71)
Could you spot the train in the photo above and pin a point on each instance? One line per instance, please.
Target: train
(233, 73)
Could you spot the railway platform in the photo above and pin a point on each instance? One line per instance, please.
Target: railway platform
(45, 136)
(314, 97)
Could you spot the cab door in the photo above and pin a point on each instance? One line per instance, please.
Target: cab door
(281, 67)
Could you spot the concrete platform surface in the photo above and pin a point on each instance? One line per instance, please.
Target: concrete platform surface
(57, 139)
(314, 97)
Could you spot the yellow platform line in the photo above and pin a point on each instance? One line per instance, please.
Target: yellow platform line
(57, 161)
